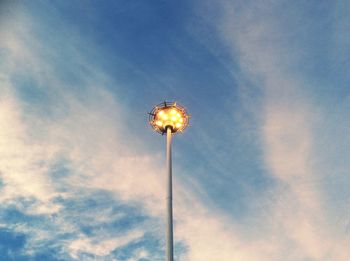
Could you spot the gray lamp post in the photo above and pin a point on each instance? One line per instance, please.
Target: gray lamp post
(169, 118)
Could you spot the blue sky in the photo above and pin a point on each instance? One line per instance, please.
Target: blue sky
(261, 173)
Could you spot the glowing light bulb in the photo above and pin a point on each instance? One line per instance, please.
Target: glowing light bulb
(168, 115)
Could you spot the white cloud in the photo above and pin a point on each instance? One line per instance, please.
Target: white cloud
(101, 246)
(23, 162)
(298, 221)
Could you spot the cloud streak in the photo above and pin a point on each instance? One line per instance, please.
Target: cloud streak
(298, 223)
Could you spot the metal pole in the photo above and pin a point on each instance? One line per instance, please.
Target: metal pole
(169, 243)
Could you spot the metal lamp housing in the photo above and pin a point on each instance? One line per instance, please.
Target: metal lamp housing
(168, 115)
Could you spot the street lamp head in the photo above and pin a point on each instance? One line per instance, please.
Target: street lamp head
(168, 115)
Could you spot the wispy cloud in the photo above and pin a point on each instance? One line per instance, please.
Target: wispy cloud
(297, 221)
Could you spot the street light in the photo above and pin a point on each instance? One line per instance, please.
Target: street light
(169, 118)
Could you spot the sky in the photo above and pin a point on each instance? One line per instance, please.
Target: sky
(260, 174)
